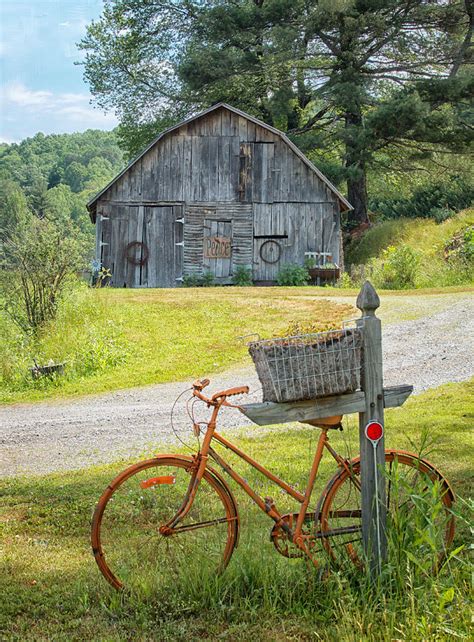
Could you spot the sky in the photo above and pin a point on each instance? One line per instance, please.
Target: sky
(41, 89)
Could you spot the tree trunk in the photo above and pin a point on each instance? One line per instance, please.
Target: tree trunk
(356, 171)
(357, 197)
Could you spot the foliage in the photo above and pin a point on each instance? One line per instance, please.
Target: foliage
(46, 561)
(242, 276)
(37, 258)
(397, 268)
(205, 280)
(57, 174)
(347, 78)
(461, 245)
(444, 251)
(293, 274)
(438, 201)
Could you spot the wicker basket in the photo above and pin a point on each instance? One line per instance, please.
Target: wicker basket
(308, 366)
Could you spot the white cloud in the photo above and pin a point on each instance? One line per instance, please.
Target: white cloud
(54, 110)
(21, 96)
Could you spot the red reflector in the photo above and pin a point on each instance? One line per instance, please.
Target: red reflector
(154, 481)
(374, 431)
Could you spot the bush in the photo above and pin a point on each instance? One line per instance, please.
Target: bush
(37, 259)
(198, 280)
(397, 268)
(345, 281)
(242, 276)
(293, 274)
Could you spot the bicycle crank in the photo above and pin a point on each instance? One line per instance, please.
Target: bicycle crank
(282, 540)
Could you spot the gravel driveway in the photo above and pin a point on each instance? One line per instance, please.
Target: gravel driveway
(51, 436)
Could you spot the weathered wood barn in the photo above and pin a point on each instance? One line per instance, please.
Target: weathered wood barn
(217, 191)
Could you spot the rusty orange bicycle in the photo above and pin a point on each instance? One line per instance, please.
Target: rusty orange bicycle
(176, 513)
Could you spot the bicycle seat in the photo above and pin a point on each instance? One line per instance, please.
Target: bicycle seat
(325, 422)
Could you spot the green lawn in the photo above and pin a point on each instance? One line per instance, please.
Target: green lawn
(50, 588)
(112, 339)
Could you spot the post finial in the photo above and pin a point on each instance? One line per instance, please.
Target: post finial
(368, 300)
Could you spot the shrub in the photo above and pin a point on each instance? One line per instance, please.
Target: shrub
(441, 214)
(293, 274)
(37, 259)
(397, 268)
(345, 281)
(198, 280)
(207, 279)
(242, 276)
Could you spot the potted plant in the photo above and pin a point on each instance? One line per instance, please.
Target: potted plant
(326, 273)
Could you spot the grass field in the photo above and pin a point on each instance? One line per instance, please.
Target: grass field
(51, 589)
(428, 241)
(112, 339)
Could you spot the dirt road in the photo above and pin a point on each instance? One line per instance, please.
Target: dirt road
(43, 437)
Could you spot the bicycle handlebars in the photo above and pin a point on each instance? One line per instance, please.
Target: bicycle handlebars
(200, 384)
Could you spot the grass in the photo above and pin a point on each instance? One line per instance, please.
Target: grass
(415, 253)
(424, 235)
(112, 339)
(51, 589)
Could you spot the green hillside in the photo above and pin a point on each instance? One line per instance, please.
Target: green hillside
(419, 250)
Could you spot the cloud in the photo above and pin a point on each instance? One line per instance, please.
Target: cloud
(21, 96)
(60, 110)
(48, 111)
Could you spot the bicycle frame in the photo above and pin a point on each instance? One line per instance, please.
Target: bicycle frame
(267, 506)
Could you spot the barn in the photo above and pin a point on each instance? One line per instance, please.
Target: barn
(217, 191)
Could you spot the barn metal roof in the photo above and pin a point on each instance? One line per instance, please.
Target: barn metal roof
(344, 203)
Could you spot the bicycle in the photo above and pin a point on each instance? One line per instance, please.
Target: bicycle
(177, 513)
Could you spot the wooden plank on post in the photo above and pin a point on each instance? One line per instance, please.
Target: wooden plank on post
(269, 412)
(372, 460)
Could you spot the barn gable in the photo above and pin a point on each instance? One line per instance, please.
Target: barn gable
(219, 190)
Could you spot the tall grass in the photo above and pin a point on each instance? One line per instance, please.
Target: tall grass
(416, 246)
(113, 339)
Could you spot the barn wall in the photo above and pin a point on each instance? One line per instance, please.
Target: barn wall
(218, 175)
(220, 157)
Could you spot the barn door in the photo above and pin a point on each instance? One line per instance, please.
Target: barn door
(217, 248)
(270, 241)
(163, 234)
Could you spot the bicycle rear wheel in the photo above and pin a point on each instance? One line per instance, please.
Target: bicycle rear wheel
(127, 543)
(419, 516)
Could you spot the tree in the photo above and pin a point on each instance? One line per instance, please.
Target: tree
(355, 77)
(37, 258)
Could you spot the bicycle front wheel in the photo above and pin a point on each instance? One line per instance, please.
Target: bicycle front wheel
(419, 516)
(127, 543)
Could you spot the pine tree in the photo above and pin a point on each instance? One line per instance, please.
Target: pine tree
(351, 76)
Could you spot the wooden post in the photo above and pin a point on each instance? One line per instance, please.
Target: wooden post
(372, 472)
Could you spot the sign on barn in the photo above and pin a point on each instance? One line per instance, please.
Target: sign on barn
(216, 247)
(215, 192)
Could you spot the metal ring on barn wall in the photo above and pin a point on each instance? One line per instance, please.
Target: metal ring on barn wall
(271, 246)
(131, 253)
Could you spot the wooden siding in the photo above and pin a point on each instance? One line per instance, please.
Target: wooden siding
(230, 174)
(296, 228)
(240, 223)
(208, 159)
